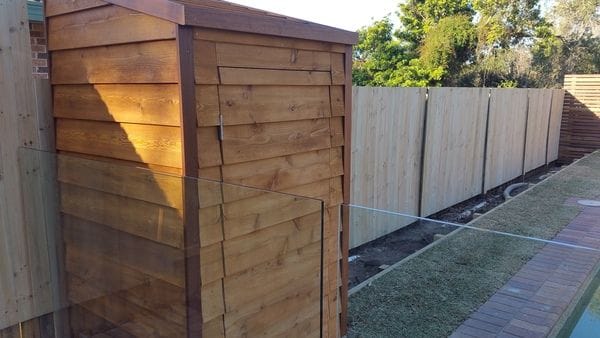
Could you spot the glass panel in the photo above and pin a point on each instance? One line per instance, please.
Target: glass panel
(118, 250)
(482, 279)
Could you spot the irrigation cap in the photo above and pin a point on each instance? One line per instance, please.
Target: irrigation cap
(589, 203)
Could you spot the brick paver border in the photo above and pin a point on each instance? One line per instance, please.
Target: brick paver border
(532, 302)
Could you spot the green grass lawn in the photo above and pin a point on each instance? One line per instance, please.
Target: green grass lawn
(432, 293)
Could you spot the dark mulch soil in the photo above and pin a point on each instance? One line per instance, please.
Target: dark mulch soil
(370, 258)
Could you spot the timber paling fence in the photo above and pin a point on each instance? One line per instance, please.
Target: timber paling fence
(421, 150)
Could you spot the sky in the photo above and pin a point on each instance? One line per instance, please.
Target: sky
(346, 14)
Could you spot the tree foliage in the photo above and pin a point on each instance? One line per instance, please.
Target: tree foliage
(480, 43)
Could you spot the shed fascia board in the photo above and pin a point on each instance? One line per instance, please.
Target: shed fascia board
(208, 17)
(269, 25)
(167, 10)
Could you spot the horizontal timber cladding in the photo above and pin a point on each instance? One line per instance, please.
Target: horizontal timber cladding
(133, 142)
(117, 108)
(106, 25)
(58, 7)
(207, 34)
(144, 62)
(581, 116)
(282, 104)
(259, 104)
(258, 141)
(243, 76)
(156, 104)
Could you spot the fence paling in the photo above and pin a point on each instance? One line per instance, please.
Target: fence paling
(419, 151)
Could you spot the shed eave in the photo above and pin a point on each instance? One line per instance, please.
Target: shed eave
(268, 25)
(164, 9)
(186, 14)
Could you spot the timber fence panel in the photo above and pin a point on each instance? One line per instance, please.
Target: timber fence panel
(386, 160)
(454, 147)
(556, 112)
(506, 136)
(419, 154)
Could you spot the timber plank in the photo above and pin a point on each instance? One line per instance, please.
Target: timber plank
(145, 62)
(319, 190)
(57, 7)
(144, 103)
(280, 172)
(252, 142)
(580, 121)
(337, 131)
(106, 25)
(209, 193)
(99, 276)
(211, 263)
(265, 40)
(337, 161)
(271, 243)
(209, 147)
(506, 136)
(154, 222)
(160, 298)
(250, 214)
(338, 76)
(210, 173)
(122, 180)
(540, 104)
(131, 318)
(272, 282)
(140, 143)
(337, 101)
(205, 62)
(212, 301)
(260, 104)
(211, 228)
(297, 315)
(244, 76)
(207, 105)
(149, 257)
(454, 147)
(214, 328)
(558, 97)
(248, 56)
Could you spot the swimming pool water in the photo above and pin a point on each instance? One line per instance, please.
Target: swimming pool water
(588, 325)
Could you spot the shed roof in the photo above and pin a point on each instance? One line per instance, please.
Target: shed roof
(229, 16)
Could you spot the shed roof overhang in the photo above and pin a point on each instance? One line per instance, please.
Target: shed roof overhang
(228, 16)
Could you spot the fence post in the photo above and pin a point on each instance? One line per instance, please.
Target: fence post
(422, 159)
(485, 145)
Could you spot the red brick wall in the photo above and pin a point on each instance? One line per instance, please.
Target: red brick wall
(39, 50)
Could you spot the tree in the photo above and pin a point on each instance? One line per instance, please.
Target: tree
(381, 60)
(480, 43)
(570, 45)
(448, 45)
(377, 54)
(418, 16)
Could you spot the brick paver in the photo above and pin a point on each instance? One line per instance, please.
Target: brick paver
(533, 300)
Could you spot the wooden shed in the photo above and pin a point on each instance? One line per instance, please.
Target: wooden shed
(212, 90)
